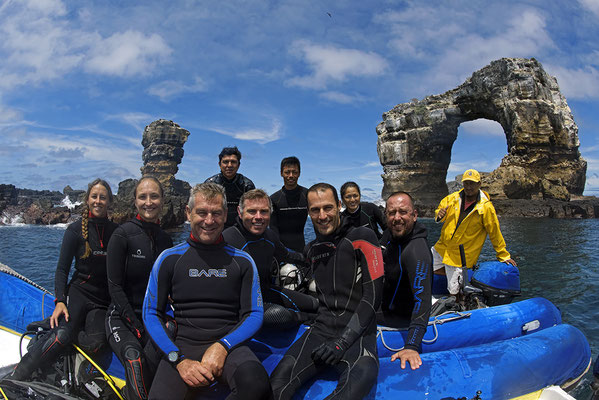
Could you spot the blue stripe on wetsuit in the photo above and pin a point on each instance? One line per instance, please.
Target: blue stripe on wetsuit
(253, 321)
(151, 315)
(392, 302)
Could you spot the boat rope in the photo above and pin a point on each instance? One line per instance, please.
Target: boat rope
(107, 377)
(436, 321)
(9, 271)
(3, 394)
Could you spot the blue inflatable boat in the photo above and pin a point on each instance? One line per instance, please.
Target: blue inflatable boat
(503, 351)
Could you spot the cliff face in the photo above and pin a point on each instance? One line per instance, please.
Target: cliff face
(543, 161)
(163, 151)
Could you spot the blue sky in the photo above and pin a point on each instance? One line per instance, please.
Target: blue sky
(80, 80)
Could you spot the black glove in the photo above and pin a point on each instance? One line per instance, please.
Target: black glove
(330, 352)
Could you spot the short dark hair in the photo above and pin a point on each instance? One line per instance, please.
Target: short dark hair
(288, 161)
(348, 185)
(398, 193)
(229, 151)
(321, 187)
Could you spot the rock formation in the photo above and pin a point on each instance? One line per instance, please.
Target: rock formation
(163, 151)
(543, 161)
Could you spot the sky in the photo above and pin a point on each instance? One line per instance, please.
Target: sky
(80, 80)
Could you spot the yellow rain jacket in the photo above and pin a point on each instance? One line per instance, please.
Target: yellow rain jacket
(472, 232)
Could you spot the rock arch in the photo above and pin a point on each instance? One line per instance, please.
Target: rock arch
(415, 139)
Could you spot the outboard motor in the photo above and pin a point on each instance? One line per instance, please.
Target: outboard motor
(499, 282)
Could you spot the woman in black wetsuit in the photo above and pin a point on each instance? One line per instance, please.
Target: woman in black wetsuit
(134, 247)
(81, 305)
(361, 213)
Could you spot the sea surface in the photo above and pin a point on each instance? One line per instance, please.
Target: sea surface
(558, 260)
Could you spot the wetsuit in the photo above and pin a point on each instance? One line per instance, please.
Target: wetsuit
(133, 248)
(86, 296)
(234, 189)
(289, 214)
(267, 251)
(368, 215)
(216, 297)
(407, 290)
(348, 269)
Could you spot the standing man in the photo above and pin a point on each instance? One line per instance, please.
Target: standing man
(468, 217)
(408, 276)
(290, 206)
(217, 305)
(348, 268)
(235, 184)
(282, 307)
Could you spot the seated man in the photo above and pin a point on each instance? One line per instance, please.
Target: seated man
(348, 267)
(468, 216)
(408, 275)
(282, 307)
(217, 307)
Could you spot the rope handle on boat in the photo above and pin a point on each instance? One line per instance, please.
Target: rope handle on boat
(459, 315)
(107, 377)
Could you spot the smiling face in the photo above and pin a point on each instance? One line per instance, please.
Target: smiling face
(207, 218)
(351, 199)
(255, 215)
(148, 200)
(98, 201)
(229, 166)
(471, 189)
(290, 174)
(324, 211)
(401, 215)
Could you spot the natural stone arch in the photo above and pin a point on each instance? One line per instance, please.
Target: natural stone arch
(415, 139)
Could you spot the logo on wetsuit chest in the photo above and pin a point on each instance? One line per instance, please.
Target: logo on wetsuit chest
(138, 254)
(207, 273)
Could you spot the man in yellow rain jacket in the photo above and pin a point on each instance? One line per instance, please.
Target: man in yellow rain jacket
(468, 217)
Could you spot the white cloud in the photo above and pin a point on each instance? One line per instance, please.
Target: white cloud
(330, 64)
(137, 120)
(342, 98)
(261, 136)
(591, 5)
(483, 127)
(8, 114)
(127, 54)
(578, 83)
(169, 89)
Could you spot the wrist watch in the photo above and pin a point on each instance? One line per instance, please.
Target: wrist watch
(173, 357)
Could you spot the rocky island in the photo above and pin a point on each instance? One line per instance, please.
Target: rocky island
(542, 174)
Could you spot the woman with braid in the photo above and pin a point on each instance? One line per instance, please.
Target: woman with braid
(134, 247)
(81, 305)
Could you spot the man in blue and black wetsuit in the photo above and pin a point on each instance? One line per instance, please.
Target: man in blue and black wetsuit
(282, 307)
(235, 184)
(408, 276)
(348, 269)
(290, 206)
(217, 306)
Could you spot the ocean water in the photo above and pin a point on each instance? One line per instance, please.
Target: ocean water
(558, 260)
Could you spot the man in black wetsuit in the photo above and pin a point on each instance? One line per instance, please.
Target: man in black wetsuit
(282, 307)
(217, 307)
(408, 276)
(235, 184)
(348, 269)
(290, 207)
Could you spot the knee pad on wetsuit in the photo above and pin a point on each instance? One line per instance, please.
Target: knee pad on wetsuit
(277, 316)
(91, 343)
(42, 352)
(135, 373)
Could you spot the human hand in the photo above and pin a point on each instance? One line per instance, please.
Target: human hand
(408, 355)
(441, 214)
(511, 262)
(59, 309)
(329, 352)
(194, 374)
(214, 358)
